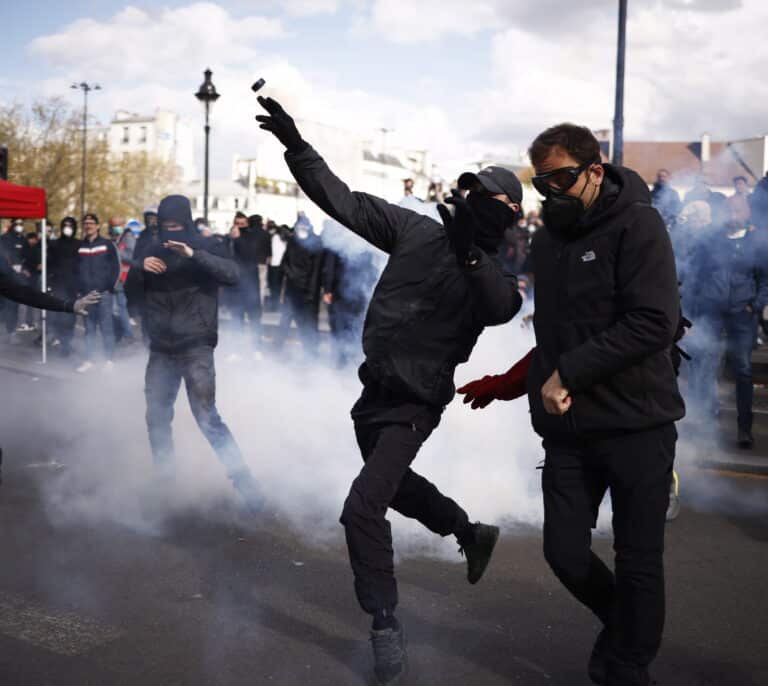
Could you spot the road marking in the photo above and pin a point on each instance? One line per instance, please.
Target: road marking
(730, 472)
(64, 633)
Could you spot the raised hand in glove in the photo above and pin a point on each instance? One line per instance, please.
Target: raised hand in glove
(460, 228)
(508, 386)
(81, 304)
(281, 124)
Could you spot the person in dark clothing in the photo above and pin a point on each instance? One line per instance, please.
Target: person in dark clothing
(725, 288)
(182, 275)
(64, 264)
(279, 236)
(438, 291)
(32, 266)
(134, 283)
(251, 249)
(602, 390)
(665, 199)
(99, 269)
(758, 203)
(349, 275)
(302, 266)
(12, 248)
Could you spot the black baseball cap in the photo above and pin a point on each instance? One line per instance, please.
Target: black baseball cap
(495, 180)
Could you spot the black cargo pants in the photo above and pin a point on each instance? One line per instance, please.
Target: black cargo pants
(388, 449)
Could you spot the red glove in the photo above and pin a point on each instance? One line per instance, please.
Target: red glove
(508, 386)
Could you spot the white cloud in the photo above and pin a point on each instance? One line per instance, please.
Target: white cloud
(305, 8)
(691, 67)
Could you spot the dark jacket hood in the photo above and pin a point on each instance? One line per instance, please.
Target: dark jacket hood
(176, 208)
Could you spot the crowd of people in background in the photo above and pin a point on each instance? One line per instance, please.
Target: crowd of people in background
(292, 284)
(299, 279)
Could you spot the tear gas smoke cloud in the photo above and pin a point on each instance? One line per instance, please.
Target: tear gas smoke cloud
(294, 428)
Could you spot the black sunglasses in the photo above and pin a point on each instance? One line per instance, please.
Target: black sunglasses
(559, 180)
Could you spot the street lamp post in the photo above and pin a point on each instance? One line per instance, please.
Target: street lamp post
(86, 88)
(618, 119)
(207, 95)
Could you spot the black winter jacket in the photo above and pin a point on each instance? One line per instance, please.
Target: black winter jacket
(724, 275)
(607, 309)
(426, 312)
(182, 304)
(303, 265)
(64, 265)
(99, 265)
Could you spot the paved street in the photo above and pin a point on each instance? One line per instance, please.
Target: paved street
(214, 595)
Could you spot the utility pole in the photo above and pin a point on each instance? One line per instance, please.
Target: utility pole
(86, 88)
(618, 119)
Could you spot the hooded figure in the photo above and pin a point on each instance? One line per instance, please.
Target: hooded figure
(438, 291)
(63, 264)
(182, 276)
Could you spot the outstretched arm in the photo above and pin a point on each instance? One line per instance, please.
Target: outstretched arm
(372, 218)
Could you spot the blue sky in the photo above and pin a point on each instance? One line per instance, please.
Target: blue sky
(463, 79)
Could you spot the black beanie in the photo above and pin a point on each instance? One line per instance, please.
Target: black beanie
(176, 208)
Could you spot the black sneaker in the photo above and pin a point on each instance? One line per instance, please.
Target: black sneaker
(745, 439)
(389, 656)
(598, 660)
(478, 547)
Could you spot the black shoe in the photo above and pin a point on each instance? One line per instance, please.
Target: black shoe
(478, 547)
(389, 656)
(745, 439)
(598, 660)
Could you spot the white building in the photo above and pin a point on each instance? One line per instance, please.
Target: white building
(163, 135)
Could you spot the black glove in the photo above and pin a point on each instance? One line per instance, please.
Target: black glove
(460, 228)
(281, 124)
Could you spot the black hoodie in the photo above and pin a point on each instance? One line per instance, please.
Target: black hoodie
(182, 302)
(607, 310)
(426, 312)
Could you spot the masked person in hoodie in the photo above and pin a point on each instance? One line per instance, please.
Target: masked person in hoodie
(438, 291)
(182, 275)
(602, 390)
(64, 266)
(134, 283)
(302, 265)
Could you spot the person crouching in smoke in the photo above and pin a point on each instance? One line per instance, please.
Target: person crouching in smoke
(439, 289)
(182, 275)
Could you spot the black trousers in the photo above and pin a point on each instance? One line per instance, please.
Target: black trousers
(386, 480)
(637, 469)
(304, 311)
(164, 374)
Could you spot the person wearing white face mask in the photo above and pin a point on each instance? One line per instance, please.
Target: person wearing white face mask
(63, 264)
(11, 247)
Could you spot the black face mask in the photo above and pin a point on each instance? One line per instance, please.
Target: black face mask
(563, 212)
(493, 217)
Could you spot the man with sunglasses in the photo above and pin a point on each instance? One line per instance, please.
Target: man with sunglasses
(438, 291)
(602, 390)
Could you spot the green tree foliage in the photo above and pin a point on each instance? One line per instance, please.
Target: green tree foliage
(45, 149)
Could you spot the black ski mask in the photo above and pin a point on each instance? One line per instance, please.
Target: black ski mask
(176, 208)
(493, 218)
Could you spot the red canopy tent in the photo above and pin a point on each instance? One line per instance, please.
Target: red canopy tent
(28, 202)
(22, 201)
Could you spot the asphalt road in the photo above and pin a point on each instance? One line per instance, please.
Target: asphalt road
(219, 596)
